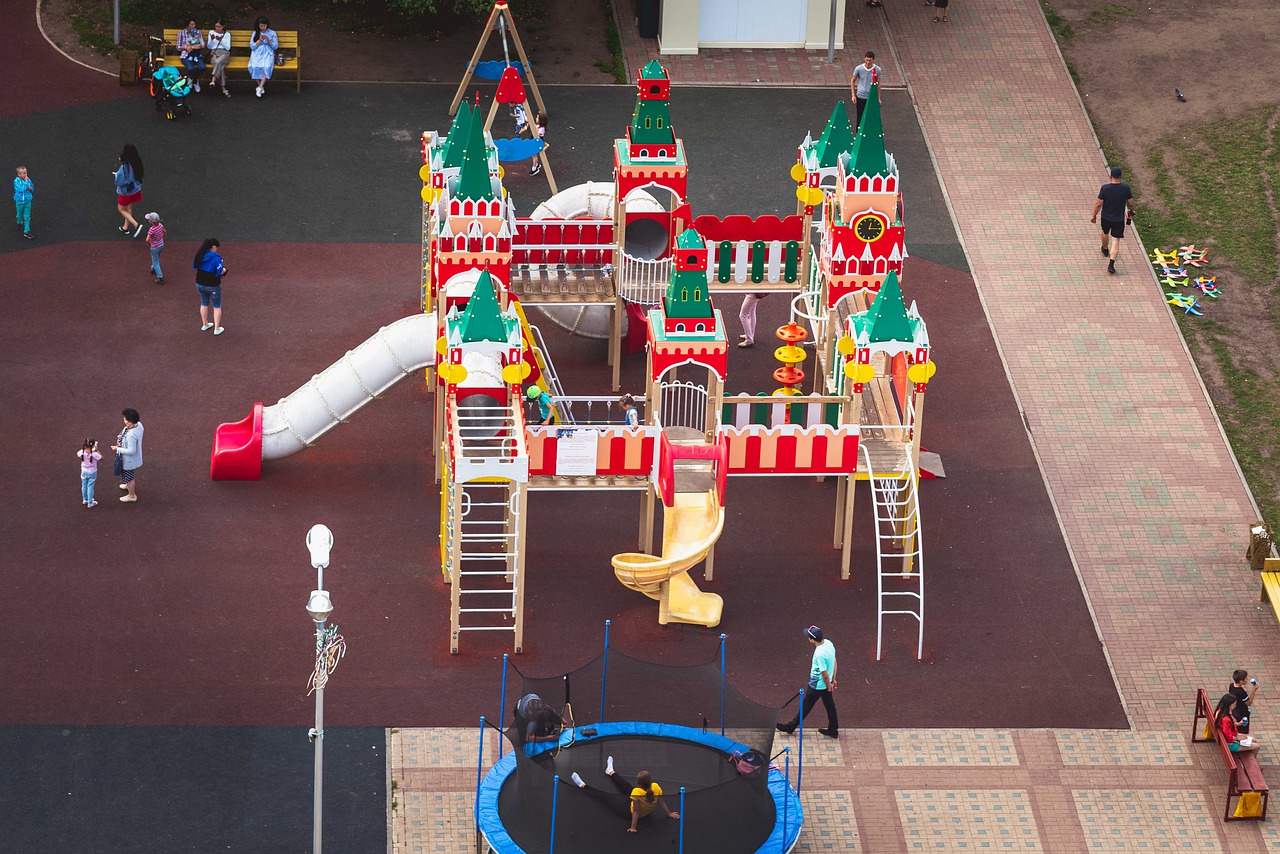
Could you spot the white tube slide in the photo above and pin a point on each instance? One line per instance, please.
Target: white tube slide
(340, 390)
(592, 200)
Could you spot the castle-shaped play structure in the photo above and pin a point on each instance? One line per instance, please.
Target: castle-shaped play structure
(630, 255)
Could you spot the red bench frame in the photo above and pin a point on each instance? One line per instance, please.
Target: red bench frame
(1241, 767)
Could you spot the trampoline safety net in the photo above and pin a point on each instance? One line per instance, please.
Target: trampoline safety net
(657, 718)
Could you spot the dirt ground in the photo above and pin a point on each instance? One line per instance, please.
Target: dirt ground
(564, 47)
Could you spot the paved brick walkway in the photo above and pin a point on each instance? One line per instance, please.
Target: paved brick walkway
(1154, 510)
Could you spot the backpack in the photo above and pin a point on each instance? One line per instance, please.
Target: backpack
(749, 762)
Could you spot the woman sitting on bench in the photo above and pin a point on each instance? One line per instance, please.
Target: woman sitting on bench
(1226, 724)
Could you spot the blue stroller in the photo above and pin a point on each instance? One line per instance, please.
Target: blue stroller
(170, 88)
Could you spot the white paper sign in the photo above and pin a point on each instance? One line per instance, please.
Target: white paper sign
(575, 452)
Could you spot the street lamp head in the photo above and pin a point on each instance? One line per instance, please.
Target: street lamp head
(319, 606)
(319, 542)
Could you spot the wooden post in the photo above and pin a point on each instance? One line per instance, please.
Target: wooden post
(524, 57)
(846, 554)
(475, 57)
(837, 539)
(646, 520)
(615, 340)
(709, 570)
(455, 589)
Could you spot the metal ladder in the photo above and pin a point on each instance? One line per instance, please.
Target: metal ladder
(899, 551)
(484, 538)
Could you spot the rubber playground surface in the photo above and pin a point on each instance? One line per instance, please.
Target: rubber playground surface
(186, 609)
(206, 580)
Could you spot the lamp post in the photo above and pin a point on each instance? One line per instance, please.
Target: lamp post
(319, 607)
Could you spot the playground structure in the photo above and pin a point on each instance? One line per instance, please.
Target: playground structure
(592, 256)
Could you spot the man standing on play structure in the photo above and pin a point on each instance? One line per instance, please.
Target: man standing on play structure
(1115, 200)
(822, 681)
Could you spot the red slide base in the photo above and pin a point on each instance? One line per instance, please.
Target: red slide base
(237, 448)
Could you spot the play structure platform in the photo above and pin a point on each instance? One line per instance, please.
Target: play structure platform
(627, 260)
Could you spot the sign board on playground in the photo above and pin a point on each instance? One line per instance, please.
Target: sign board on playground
(575, 452)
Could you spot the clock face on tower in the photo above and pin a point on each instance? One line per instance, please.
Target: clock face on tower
(868, 228)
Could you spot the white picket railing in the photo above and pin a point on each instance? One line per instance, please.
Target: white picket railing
(641, 281)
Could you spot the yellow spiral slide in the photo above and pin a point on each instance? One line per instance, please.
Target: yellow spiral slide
(690, 528)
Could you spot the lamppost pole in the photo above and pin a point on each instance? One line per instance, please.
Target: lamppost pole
(319, 607)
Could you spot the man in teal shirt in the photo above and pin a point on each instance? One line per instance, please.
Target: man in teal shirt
(822, 681)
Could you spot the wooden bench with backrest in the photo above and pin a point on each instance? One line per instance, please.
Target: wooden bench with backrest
(1244, 776)
(240, 47)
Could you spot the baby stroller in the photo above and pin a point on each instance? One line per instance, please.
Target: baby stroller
(170, 88)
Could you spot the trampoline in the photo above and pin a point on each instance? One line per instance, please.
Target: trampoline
(527, 804)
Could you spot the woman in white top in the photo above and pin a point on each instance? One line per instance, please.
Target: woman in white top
(219, 45)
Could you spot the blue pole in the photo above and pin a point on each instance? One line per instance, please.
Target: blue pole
(786, 799)
(682, 820)
(502, 701)
(555, 795)
(722, 637)
(800, 758)
(479, 766)
(604, 672)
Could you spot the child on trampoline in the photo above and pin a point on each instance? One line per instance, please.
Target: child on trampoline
(538, 721)
(643, 797)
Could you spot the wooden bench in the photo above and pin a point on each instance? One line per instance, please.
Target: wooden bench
(1243, 773)
(240, 47)
(1270, 576)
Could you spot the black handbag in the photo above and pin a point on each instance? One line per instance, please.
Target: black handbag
(118, 467)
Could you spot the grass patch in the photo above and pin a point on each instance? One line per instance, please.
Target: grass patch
(1251, 422)
(613, 43)
(1062, 29)
(1209, 188)
(1104, 14)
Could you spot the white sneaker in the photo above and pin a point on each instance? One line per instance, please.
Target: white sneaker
(577, 781)
(258, 91)
(197, 86)
(608, 766)
(219, 330)
(128, 499)
(124, 486)
(206, 327)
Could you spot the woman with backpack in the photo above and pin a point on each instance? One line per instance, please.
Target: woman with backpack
(209, 272)
(129, 188)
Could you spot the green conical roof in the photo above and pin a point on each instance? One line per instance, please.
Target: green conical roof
(837, 137)
(653, 70)
(868, 148)
(473, 177)
(887, 318)
(689, 239)
(483, 320)
(455, 142)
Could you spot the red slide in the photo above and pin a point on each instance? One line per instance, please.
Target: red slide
(237, 448)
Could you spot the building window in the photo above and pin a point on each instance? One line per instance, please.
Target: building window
(697, 294)
(702, 327)
(684, 295)
(693, 259)
(679, 327)
(648, 123)
(659, 120)
(655, 89)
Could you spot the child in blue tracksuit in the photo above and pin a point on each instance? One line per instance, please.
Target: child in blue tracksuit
(23, 190)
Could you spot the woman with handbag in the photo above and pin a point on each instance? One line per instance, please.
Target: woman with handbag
(129, 188)
(209, 272)
(128, 448)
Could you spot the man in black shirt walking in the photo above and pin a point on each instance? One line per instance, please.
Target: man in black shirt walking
(1115, 201)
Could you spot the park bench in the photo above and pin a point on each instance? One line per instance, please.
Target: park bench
(1244, 776)
(1270, 576)
(289, 49)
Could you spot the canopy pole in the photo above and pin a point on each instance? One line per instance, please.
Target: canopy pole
(604, 671)
(502, 701)
(555, 797)
(479, 767)
(722, 678)
(800, 756)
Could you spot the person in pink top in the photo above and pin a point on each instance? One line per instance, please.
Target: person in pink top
(155, 242)
(89, 457)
